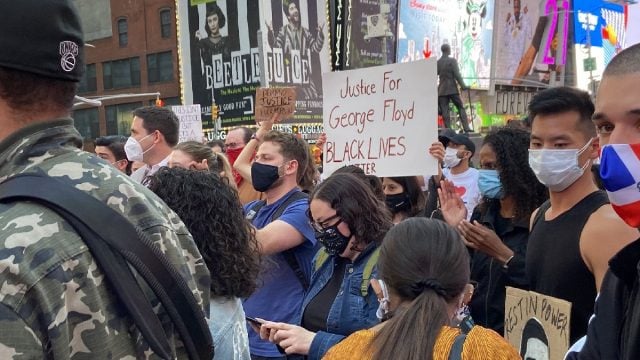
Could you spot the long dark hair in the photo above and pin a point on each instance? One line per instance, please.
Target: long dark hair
(424, 263)
(411, 186)
(213, 215)
(367, 216)
(512, 162)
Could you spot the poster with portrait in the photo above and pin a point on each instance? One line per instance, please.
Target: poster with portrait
(295, 50)
(537, 325)
(370, 33)
(466, 25)
(219, 60)
(531, 41)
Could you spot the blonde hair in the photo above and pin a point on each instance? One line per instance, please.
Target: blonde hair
(217, 163)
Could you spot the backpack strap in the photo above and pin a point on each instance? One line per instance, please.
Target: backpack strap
(289, 254)
(117, 245)
(372, 261)
(456, 348)
(321, 258)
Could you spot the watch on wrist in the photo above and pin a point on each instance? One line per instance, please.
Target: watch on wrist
(255, 137)
(506, 263)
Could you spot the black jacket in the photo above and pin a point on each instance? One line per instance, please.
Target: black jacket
(614, 331)
(487, 304)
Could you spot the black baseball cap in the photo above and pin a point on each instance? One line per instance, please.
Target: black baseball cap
(462, 139)
(42, 37)
(445, 136)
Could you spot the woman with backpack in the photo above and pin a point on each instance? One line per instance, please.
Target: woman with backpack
(350, 222)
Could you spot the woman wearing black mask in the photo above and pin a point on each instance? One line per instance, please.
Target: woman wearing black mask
(404, 197)
(350, 222)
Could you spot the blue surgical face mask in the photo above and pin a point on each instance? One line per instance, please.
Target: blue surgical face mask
(489, 184)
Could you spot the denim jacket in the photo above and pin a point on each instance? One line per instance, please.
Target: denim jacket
(350, 311)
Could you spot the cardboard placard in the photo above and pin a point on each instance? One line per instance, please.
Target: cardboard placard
(280, 100)
(537, 325)
(382, 119)
(190, 122)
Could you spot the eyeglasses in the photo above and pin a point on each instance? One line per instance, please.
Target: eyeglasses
(319, 227)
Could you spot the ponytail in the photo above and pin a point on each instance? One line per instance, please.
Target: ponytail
(416, 326)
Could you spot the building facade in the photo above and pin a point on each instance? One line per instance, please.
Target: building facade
(131, 54)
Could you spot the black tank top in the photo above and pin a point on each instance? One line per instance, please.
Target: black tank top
(554, 265)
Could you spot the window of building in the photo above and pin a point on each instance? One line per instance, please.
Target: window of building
(123, 32)
(121, 73)
(119, 118)
(160, 67)
(88, 82)
(87, 122)
(165, 23)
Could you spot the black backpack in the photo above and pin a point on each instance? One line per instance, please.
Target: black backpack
(116, 244)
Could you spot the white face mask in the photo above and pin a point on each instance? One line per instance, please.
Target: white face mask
(383, 308)
(133, 149)
(557, 169)
(451, 158)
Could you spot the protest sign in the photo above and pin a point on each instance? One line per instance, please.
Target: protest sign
(537, 325)
(269, 101)
(190, 122)
(382, 119)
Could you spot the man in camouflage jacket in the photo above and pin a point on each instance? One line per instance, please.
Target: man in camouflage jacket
(55, 301)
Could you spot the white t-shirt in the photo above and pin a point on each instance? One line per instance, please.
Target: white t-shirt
(466, 184)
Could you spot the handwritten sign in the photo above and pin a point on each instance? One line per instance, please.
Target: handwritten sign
(536, 324)
(190, 122)
(280, 100)
(382, 119)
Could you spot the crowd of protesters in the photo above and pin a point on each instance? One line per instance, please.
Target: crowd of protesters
(278, 261)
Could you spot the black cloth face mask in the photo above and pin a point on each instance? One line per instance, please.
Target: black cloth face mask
(398, 202)
(263, 176)
(333, 241)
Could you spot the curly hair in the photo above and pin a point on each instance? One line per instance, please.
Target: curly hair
(367, 216)
(511, 147)
(212, 212)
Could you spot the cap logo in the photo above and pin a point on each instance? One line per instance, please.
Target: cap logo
(68, 53)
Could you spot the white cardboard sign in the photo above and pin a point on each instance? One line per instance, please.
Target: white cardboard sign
(382, 119)
(190, 122)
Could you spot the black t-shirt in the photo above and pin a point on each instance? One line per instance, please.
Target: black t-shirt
(317, 311)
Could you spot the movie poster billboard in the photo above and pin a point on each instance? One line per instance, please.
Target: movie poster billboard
(370, 33)
(599, 31)
(295, 46)
(466, 25)
(531, 41)
(220, 61)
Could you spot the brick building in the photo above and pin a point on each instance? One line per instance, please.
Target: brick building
(131, 54)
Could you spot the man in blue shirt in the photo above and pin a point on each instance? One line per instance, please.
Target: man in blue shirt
(283, 231)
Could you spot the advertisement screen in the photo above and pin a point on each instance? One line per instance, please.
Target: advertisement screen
(466, 25)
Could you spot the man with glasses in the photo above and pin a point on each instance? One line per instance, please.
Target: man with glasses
(283, 232)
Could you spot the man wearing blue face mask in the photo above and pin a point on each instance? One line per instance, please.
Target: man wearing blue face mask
(576, 232)
(615, 329)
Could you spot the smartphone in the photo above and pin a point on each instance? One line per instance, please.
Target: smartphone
(253, 321)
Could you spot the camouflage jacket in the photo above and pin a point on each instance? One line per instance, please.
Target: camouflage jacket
(54, 300)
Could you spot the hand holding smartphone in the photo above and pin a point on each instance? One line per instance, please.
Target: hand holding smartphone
(253, 321)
